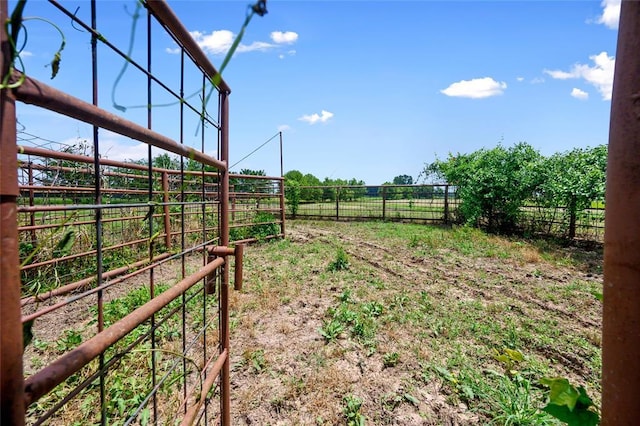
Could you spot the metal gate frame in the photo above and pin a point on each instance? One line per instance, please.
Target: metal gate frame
(16, 392)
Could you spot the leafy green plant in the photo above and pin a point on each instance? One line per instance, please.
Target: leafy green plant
(292, 193)
(331, 330)
(351, 411)
(257, 360)
(264, 226)
(569, 404)
(341, 261)
(12, 28)
(391, 359)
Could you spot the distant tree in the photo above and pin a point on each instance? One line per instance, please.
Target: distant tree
(403, 180)
(310, 190)
(249, 185)
(292, 194)
(293, 175)
(165, 161)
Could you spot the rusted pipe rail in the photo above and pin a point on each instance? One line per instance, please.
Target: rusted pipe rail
(55, 373)
(66, 289)
(34, 92)
(208, 383)
(164, 14)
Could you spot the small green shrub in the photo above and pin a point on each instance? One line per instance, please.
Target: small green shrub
(264, 226)
(341, 262)
(351, 411)
(391, 359)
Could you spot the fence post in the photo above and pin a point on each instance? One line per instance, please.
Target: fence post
(282, 209)
(384, 202)
(225, 387)
(446, 204)
(11, 380)
(621, 316)
(337, 203)
(572, 218)
(165, 198)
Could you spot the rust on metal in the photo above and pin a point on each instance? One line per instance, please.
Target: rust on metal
(621, 312)
(68, 288)
(168, 18)
(208, 383)
(11, 380)
(225, 383)
(55, 373)
(37, 93)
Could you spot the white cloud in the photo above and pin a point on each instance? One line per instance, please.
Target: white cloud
(537, 80)
(475, 89)
(579, 94)
(520, 78)
(323, 117)
(284, 128)
(599, 75)
(219, 42)
(25, 54)
(610, 14)
(287, 37)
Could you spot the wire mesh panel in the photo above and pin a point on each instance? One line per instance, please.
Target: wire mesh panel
(123, 261)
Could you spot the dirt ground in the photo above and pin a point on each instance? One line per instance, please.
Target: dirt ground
(284, 372)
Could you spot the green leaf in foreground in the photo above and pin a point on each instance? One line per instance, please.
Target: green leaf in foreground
(568, 404)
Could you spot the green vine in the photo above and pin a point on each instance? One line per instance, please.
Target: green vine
(12, 28)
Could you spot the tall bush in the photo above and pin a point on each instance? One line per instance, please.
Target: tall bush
(574, 180)
(492, 184)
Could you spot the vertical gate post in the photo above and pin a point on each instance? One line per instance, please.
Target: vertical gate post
(283, 213)
(446, 204)
(225, 397)
(621, 312)
(384, 202)
(11, 380)
(337, 202)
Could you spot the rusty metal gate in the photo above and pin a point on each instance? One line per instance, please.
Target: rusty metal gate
(117, 273)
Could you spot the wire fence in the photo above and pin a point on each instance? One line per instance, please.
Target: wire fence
(116, 274)
(434, 204)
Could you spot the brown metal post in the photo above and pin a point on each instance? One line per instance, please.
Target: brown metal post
(281, 163)
(167, 220)
(11, 380)
(283, 213)
(621, 313)
(446, 204)
(225, 388)
(384, 202)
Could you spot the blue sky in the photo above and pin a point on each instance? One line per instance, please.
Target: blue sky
(368, 89)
